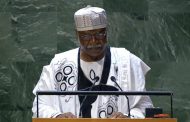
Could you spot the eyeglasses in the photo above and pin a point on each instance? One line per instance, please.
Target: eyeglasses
(98, 36)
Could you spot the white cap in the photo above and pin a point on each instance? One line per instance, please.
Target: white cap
(90, 18)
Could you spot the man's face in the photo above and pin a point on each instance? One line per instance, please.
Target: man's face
(93, 42)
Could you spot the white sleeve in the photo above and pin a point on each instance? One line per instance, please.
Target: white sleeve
(47, 106)
(138, 111)
(139, 103)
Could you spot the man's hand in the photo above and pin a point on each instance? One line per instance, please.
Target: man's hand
(118, 115)
(66, 115)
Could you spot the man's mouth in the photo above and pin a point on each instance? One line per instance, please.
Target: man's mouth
(94, 46)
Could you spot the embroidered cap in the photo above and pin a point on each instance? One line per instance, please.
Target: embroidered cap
(90, 18)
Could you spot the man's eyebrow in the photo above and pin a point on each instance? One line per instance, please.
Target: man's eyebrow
(92, 31)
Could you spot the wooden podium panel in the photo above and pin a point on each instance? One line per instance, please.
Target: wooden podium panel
(103, 120)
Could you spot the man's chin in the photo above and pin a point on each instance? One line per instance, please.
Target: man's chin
(95, 52)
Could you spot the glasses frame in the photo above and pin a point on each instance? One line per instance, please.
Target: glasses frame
(97, 36)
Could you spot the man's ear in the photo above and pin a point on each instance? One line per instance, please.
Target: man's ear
(77, 35)
(76, 32)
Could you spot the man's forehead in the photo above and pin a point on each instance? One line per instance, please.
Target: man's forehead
(93, 31)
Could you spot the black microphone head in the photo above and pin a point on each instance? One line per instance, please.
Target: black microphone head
(113, 78)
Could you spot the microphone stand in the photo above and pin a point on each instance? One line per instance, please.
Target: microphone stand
(114, 80)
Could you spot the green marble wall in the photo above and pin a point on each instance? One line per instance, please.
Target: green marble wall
(32, 31)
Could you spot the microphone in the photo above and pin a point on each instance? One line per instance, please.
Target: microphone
(114, 80)
(96, 79)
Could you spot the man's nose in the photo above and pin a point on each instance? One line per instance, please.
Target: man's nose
(93, 38)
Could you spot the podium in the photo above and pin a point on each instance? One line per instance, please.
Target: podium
(104, 93)
(104, 120)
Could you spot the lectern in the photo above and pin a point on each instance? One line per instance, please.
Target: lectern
(104, 120)
(104, 93)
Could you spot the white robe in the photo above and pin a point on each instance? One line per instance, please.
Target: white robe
(61, 75)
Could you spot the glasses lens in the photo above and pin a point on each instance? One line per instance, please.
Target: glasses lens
(100, 35)
(86, 37)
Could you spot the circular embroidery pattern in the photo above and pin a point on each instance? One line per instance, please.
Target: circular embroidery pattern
(66, 76)
(108, 107)
(58, 76)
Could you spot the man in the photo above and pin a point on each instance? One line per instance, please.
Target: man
(93, 67)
